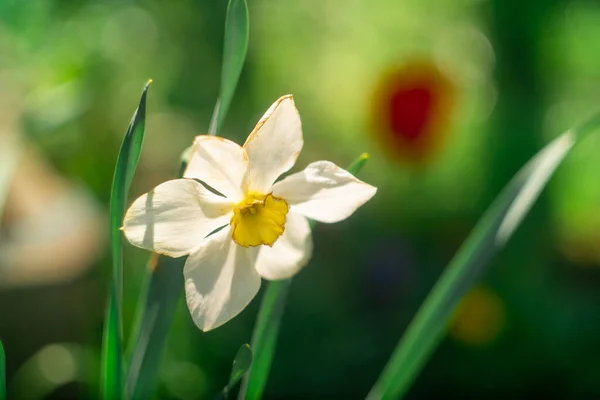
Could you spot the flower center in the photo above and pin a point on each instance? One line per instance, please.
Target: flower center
(258, 219)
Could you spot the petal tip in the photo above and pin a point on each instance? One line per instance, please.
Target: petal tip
(283, 99)
(370, 191)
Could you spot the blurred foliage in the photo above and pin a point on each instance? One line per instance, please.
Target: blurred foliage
(72, 70)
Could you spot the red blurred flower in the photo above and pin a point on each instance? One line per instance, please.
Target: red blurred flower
(411, 111)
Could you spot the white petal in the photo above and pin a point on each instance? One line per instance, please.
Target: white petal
(324, 192)
(174, 217)
(274, 144)
(220, 280)
(221, 164)
(290, 252)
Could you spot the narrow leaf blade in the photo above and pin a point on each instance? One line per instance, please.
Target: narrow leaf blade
(158, 301)
(127, 160)
(2, 373)
(489, 236)
(241, 365)
(234, 53)
(264, 338)
(111, 368)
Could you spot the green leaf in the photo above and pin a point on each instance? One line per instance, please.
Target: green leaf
(488, 237)
(234, 52)
(2, 373)
(158, 301)
(264, 338)
(127, 160)
(111, 363)
(266, 330)
(241, 365)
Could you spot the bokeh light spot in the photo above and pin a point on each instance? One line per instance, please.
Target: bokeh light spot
(479, 318)
(411, 110)
(57, 364)
(184, 380)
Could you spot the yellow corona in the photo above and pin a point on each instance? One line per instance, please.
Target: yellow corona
(258, 220)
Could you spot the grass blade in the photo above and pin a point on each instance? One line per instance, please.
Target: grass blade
(2, 373)
(127, 160)
(488, 237)
(111, 363)
(163, 288)
(264, 338)
(234, 52)
(212, 127)
(241, 365)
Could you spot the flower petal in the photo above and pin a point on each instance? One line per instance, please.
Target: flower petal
(175, 216)
(221, 164)
(220, 280)
(290, 252)
(274, 144)
(324, 192)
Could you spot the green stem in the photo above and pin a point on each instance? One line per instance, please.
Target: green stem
(264, 339)
(2, 373)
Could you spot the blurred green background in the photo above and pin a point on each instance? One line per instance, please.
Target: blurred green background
(512, 75)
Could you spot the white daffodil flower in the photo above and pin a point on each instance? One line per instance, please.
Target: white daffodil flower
(265, 232)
